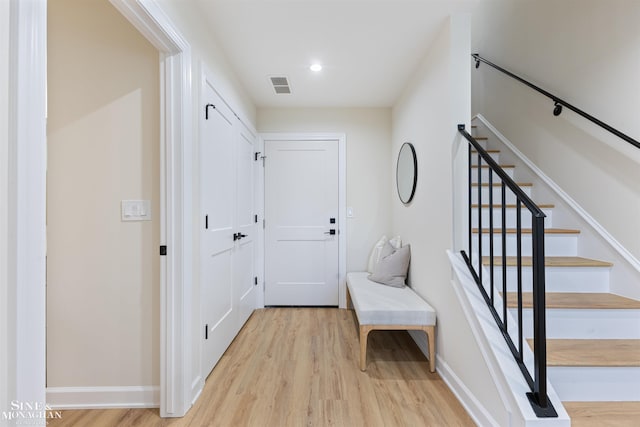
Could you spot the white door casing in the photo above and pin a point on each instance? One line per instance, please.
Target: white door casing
(304, 191)
(176, 206)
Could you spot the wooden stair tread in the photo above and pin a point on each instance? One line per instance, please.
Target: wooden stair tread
(576, 300)
(486, 166)
(491, 150)
(480, 138)
(498, 230)
(519, 184)
(603, 414)
(512, 206)
(550, 261)
(592, 352)
(488, 150)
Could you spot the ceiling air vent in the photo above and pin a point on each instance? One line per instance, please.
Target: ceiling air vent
(280, 85)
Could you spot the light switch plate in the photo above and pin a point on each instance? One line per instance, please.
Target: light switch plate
(136, 210)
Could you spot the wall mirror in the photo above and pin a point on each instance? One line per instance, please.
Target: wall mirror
(406, 172)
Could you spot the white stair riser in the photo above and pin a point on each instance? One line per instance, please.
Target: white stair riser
(557, 279)
(511, 216)
(494, 156)
(588, 384)
(497, 195)
(484, 174)
(586, 323)
(554, 244)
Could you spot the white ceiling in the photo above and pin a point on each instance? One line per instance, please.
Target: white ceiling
(368, 48)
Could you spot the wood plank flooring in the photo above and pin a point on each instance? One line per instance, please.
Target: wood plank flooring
(299, 367)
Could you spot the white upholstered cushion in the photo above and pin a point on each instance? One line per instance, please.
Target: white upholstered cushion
(377, 304)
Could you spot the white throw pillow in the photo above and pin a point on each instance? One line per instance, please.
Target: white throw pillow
(392, 268)
(376, 252)
(396, 242)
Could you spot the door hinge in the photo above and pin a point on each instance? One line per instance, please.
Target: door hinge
(255, 281)
(255, 217)
(163, 250)
(264, 224)
(206, 222)
(206, 331)
(255, 156)
(206, 110)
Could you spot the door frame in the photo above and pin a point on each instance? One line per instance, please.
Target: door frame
(27, 193)
(341, 139)
(176, 204)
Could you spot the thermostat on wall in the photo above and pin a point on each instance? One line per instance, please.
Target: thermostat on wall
(136, 210)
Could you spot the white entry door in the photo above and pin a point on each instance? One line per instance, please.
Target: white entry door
(302, 224)
(227, 228)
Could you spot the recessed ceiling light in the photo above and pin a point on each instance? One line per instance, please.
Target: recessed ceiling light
(315, 67)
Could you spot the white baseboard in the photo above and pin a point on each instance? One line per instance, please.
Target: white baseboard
(103, 397)
(475, 409)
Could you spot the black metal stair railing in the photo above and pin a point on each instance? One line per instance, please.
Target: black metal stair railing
(538, 381)
(558, 102)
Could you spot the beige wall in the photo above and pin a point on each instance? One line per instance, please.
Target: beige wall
(368, 132)
(103, 147)
(586, 52)
(8, 387)
(433, 103)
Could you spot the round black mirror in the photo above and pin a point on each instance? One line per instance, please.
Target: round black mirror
(406, 172)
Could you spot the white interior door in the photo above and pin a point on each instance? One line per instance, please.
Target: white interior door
(244, 257)
(217, 173)
(302, 223)
(227, 222)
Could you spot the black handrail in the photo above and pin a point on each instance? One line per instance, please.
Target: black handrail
(558, 102)
(538, 384)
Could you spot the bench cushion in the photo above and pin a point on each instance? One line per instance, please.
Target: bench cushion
(377, 304)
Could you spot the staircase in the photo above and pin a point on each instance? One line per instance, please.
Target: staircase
(593, 336)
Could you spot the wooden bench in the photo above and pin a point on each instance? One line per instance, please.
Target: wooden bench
(384, 307)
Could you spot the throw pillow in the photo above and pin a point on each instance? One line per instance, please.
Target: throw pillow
(375, 254)
(392, 269)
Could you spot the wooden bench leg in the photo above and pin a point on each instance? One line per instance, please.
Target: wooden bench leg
(431, 338)
(364, 334)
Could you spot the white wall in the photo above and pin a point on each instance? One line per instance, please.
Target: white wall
(368, 132)
(432, 104)
(7, 386)
(103, 147)
(586, 52)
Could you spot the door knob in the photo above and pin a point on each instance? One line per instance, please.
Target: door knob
(238, 236)
(331, 232)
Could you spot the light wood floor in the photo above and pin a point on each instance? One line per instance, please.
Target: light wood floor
(299, 367)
